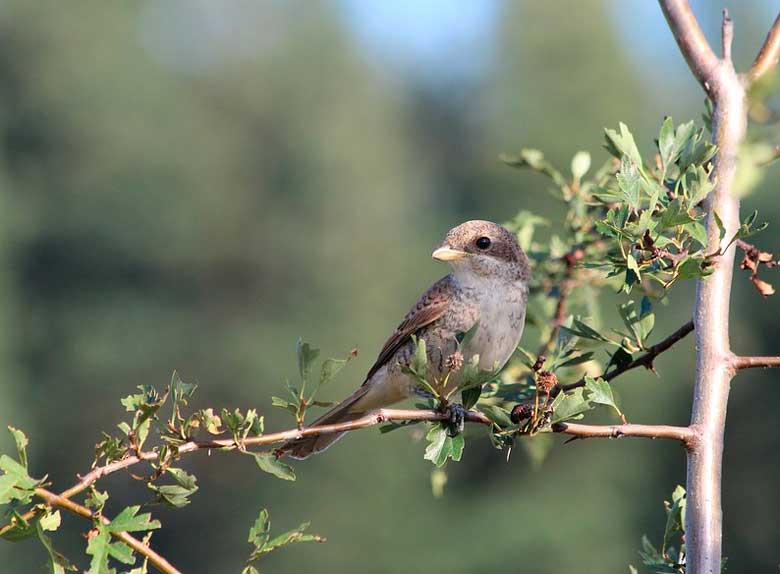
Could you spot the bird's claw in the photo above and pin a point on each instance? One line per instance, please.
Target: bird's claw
(456, 417)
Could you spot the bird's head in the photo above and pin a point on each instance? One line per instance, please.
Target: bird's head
(484, 249)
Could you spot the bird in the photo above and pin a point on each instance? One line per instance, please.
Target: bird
(486, 291)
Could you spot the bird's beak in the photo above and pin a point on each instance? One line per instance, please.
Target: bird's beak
(447, 253)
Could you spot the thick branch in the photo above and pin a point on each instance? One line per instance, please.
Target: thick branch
(61, 502)
(714, 368)
(694, 46)
(682, 434)
(768, 55)
(756, 362)
(644, 360)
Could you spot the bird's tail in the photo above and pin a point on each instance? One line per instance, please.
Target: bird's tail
(347, 410)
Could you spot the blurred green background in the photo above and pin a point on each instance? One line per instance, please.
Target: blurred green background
(193, 185)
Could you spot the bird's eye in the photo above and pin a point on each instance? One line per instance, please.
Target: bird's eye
(483, 242)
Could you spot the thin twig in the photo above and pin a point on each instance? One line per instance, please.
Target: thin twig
(145, 550)
(756, 362)
(768, 55)
(682, 434)
(644, 360)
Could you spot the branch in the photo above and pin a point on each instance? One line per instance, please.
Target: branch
(714, 369)
(369, 420)
(694, 46)
(682, 434)
(645, 360)
(768, 55)
(155, 559)
(756, 362)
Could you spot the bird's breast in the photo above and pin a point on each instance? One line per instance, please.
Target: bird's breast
(501, 321)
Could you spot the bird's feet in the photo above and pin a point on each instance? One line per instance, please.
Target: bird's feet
(456, 418)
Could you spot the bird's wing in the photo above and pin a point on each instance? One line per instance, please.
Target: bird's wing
(430, 307)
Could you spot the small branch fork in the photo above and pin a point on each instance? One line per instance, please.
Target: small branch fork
(715, 362)
(59, 501)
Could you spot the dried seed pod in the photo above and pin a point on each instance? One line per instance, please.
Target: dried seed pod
(454, 362)
(546, 381)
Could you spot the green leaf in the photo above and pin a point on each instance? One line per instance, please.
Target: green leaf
(210, 422)
(21, 444)
(584, 331)
(457, 446)
(578, 360)
(97, 547)
(690, 268)
(57, 563)
(570, 405)
(121, 552)
(174, 495)
(601, 393)
(671, 142)
(183, 478)
(697, 185)
(632, 265)
(470, 396)
(130, 521)
(283, 404)
(180, 390)
(620, 144)
(675, 214)
(719, 223)
(50, 521)
(419, 363)
(268, 462)
(440, 446)
(628, 181)
(496, 414)
(666, 140)
(19, 528)
(675, 517)
(15, 483)
(96, 500)
(330, 368)
(259, 533)
(606, 195)
(306, 357)
(580, 164)
(639, 322)
(698, 232)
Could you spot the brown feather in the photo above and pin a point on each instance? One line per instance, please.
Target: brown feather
(430, 307)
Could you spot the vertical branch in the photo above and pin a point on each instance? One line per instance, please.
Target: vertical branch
(714, 359)
(711, 316)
